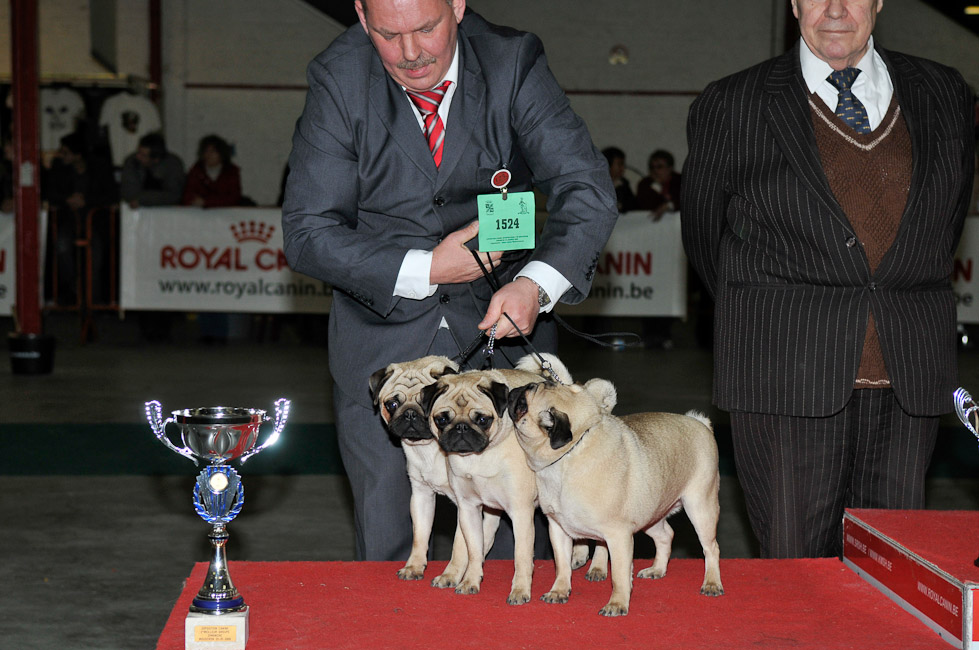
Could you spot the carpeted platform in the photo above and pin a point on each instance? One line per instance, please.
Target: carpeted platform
(946, 538)
(767, 604)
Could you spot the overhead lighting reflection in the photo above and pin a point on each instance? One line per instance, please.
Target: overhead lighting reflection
(972, 10)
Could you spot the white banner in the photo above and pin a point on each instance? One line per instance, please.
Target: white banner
(8, 259)
(965, 275)
(220, 259)
(641, 272)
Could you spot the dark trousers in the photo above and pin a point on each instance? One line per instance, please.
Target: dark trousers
(800, 473)
(375, 466)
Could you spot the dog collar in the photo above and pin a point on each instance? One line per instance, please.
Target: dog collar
(570, 450)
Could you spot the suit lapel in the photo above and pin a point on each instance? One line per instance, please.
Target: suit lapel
(465, 108)
(391, 105)
(790, 121)
(916, 106)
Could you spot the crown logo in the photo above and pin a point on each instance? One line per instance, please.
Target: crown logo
(252, 231)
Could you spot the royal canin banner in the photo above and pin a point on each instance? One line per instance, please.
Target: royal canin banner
(641, 272)
(965, 274)
(219, 259)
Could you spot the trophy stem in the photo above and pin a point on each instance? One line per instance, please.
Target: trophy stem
(218, 594)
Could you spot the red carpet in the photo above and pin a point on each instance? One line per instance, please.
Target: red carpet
(946, 538)
(767, 604)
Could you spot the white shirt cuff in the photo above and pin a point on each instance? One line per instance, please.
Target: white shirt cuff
(549, 279)
(416, 268)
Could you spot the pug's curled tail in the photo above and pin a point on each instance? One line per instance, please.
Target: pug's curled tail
(532, 363)
(700, 417)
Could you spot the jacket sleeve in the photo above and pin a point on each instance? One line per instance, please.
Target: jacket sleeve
(566, 166)
(323, 238)
(705, 173)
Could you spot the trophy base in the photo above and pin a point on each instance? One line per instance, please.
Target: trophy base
(216, 632)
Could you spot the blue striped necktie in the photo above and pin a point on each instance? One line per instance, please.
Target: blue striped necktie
(848, 108)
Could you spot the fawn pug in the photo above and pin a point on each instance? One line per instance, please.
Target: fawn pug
(487, 468)
(396, 390)
(603, 477)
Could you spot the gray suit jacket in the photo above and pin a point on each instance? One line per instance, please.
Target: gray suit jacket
(792, 290)
(363, 188)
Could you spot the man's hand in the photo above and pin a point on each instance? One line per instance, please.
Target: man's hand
(453, 263)
(519, 300)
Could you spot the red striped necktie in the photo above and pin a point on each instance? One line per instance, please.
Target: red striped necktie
(427, 104)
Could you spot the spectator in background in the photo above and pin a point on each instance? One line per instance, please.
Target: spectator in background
(624, 198)
(214, 181)
(75, 183)
(660, 191)
(152, 176)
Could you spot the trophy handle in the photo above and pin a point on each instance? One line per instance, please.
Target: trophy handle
(281, 415)
(154, 415)
(963, 398)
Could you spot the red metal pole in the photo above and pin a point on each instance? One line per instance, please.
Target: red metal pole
(27, 195)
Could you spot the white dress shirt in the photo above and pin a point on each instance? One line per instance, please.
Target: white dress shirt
(872, 86)
(416, 267)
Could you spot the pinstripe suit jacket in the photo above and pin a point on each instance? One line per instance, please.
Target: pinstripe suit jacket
(792, 286)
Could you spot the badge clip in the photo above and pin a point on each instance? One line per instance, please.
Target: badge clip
(500, 180)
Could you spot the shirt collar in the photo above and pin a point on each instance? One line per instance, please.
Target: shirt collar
(815, 70)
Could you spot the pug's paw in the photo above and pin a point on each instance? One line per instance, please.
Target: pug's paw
(518, 597)
(556, 597)
(712, 589)
(445, 581)
(614, 608)
(411, 572)
(596, 575)
(652, 573)
(468, 588)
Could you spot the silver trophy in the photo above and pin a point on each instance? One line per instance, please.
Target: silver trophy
(965, 408)
(217, 435)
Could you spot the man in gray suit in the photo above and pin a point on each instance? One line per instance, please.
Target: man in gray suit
(381, 203)
(824, 195)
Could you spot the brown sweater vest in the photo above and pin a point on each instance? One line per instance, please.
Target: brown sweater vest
(870, 175)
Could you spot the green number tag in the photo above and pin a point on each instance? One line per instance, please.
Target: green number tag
(506, 225)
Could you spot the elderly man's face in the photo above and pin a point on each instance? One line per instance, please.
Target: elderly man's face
(837, 31)
(414, 38)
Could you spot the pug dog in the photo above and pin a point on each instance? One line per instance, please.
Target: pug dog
(396, 390)
(605, 478)
(487, 468)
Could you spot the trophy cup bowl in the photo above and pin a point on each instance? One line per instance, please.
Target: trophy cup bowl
(217, 435)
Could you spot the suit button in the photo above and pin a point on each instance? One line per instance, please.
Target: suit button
(439, 201)
(444, 298)
(873, 286)
(851, 242)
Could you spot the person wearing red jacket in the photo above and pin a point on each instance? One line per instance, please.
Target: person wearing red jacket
(214, 181)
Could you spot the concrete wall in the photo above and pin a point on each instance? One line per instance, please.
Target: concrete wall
(237, 67)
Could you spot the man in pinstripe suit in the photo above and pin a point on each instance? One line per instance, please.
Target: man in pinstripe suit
(824, 195)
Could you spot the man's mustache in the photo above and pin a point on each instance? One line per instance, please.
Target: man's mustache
(420, 62)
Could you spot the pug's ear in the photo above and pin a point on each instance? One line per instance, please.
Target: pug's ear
(497, 392)
(428, 396)
(517, 402)
(558, 427)
(377, 380)
(445, 370)
(604, 392)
